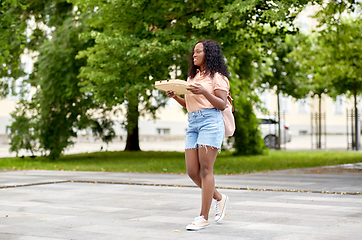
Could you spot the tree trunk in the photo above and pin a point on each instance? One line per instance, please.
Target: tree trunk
(319, 144)
(279, 130)
(357, 131)
(132, 143)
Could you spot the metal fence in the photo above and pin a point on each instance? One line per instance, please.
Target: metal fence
(318, 131)
(353, 130)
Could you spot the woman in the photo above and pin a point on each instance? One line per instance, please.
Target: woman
(209, 85)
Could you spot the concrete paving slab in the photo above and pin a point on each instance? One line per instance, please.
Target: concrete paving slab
(86, 205)
(310, 179)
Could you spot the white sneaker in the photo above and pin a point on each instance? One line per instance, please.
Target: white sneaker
(198, 224)
(220, 207)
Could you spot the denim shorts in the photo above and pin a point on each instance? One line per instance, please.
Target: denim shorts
(206, 128)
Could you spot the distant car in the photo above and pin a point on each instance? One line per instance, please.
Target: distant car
(269, 130)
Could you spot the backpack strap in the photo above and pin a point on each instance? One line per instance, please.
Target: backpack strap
(228, 98)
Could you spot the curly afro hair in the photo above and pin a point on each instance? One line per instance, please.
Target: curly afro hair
(214, 60)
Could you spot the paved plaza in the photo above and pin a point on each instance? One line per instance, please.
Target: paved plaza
(316, 203)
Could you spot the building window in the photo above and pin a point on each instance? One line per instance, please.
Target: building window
(303, 132)
(163, 131)
(302, 105)
(264, 97)
(339, 105)
(284, 104)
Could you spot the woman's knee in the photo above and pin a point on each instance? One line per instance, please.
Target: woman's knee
(205, 171)
(193, 173)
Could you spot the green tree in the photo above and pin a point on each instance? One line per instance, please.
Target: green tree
(133, 43)
(246, 66)
(331, 12)
(62, 107)
(24, 25)
(248, 30)
(58, 109)
(58, 106)
(312, 54)
(317, 54)
(346, 61)
(286, 76)
(137, 42)
(342, 24)
(247, 137)
(24, 134)
(103, 129)
(12, 44)
(140, 40)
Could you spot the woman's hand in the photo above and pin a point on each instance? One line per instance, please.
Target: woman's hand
(197, 88)
(180, 100)
(171, 94)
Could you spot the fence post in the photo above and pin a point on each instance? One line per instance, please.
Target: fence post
(347, 131)
(325, 130)
(356, 127)
(285, 130)
(311, 128)
(352, 130)
(317, 115)
(317, 120)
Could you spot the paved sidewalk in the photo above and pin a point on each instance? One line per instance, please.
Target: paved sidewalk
(288, 204)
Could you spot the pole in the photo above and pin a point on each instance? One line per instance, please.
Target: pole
(285, 132)
(352, 130)
(356, 127)
(347, 131)
(311, 128)
(317, 130)
(320, 123)
(356, 115)
(279, 132)
(325, 131)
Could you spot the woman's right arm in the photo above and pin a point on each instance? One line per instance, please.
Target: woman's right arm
(180, 100)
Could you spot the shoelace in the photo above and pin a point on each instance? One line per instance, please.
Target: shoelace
(197, 219)
(217, 207)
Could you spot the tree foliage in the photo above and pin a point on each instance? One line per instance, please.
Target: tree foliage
(58, 109)
(286, 74)
(345, 60)
(58, 106)
(331, 55)
(109, 53)
(342, 23)
(24, 27)
(311, 54)
(136, 41)
(103, 129)
(24, 134)
(249, 31)
(12, 44)
(62, 107)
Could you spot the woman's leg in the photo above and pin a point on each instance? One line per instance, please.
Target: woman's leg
(193, 169)
(207, 157)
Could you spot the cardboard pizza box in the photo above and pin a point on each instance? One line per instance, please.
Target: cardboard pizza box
(176, 85)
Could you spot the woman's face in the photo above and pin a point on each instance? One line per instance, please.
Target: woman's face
(199, 55)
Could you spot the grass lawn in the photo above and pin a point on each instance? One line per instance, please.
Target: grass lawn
(173, 162)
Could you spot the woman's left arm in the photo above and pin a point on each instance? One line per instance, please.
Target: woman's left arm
(218, 100)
